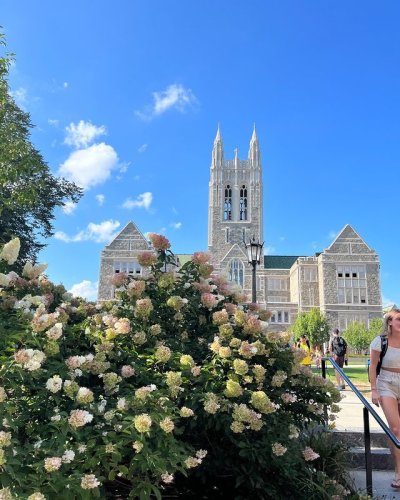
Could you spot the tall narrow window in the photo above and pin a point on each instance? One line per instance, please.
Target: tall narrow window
(243, 203)
(236, 272)
(228, 203)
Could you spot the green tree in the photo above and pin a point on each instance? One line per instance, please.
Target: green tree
(314, 325)
(29, 192)
(358, 336)
(375, 327)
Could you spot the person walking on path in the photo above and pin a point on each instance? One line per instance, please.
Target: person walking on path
(384, 375)
(338, 347)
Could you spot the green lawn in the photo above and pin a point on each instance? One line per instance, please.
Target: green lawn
(357, 373)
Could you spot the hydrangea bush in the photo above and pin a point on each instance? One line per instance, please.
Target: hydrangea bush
(173, 385)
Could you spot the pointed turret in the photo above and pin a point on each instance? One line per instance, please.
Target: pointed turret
(254, 150)
(218, 150)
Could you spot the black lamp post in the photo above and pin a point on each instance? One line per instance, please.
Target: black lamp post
(254, 253)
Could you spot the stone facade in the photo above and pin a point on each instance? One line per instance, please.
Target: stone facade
(343, 280)
(120, 256)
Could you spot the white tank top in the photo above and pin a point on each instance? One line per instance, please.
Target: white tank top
(392, 357)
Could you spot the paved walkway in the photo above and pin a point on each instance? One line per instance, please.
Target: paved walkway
(350, 418)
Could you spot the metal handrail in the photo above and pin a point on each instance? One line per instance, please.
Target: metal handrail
(367, 409)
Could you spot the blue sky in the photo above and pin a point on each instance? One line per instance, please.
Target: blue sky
(126, 97)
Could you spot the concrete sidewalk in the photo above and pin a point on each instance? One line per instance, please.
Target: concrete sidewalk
(350, 416)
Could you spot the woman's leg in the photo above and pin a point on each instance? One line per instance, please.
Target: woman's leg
(390, 408)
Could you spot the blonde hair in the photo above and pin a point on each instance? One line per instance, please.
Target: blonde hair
(387, 330)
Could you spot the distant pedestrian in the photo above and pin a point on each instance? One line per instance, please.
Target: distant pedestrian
(338, 347)
(305, 346)
(318, 357)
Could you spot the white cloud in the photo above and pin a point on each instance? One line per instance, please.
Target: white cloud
(124, 168)
(65, 85)
(174, 96)
(86, 289)
(52, 122)
(142, 148)
(20, 96)
(69, 207)
(82, 134)
(100, 199)
(90, 166)
(100, 233)
(176, 225)
(142, 201)
(269, 250)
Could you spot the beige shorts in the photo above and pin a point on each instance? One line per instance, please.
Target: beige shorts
(388, 384)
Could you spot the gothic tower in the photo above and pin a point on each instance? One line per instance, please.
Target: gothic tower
(235, 211)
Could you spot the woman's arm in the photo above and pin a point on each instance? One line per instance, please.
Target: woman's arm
(374, 358)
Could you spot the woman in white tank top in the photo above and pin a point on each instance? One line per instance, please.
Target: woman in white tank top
(386, 387)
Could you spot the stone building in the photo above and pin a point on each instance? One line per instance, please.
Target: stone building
(343, 280)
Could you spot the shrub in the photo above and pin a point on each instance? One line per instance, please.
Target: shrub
(173, 380)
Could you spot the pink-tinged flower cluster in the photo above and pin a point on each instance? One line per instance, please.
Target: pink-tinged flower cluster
(127, 371)
(30, 359)
(159, 241)
(147, 259)
(252, 326)
(42, 320)
(109, 320)
(10, 251)
(122, 326)
(119, 279)
(79, 418)
(89, 481)
(288, 397)
(209, 300)
(52, 464)
(203, 286)
(135, 288)
(143, 308)
(309, 454)
(201, 258)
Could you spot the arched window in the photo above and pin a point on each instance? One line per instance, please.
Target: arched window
(243, 203)
(228, 203)
(236, 271)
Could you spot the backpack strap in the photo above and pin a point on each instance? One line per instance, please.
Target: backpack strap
(384, 347)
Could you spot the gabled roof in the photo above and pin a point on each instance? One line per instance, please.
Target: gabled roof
(279, 261)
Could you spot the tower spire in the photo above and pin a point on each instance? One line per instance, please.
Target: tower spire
(218, 150)
(254, 150)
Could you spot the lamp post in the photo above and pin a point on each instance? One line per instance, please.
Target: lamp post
(254, 251)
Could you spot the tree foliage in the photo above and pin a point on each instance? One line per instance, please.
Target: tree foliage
(29, 192)
(314, 325)
(358, 336)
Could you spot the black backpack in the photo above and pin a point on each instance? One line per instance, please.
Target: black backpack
(384, 347)
(339, 346)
